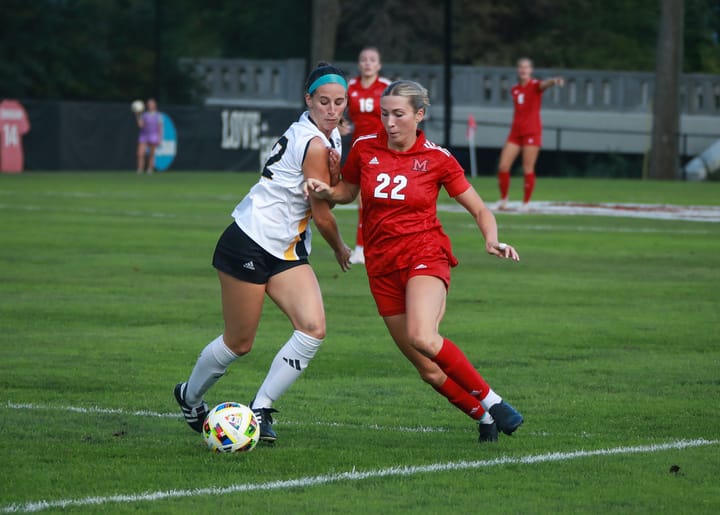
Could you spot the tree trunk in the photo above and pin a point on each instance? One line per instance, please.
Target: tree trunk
(664, 155)
(325, 20)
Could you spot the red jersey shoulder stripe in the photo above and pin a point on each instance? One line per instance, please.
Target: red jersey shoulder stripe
(432, 146)
(363, 138)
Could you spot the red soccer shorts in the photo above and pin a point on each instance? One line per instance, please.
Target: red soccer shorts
(389, 290)
(526, 140)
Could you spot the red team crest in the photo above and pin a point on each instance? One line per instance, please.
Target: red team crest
(420, 165)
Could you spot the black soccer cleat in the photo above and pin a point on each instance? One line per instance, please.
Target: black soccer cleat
(264, 418)
(488, 432)
(506, 417)
(193, 416)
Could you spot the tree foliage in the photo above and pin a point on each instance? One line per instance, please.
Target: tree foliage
(120, 49)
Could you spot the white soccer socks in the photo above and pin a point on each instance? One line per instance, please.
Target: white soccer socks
(490, 400)
(287, 366)
(210, 366)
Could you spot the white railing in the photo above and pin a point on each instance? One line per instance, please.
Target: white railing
(280, 82)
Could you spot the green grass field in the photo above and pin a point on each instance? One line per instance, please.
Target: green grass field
(605, 336)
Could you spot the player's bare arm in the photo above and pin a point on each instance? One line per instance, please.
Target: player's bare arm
(549, 83)
(485, 220)
(342, 193)
(316, 168)
(334, 166)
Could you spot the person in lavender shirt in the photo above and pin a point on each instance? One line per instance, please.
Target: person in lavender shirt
(151, 130)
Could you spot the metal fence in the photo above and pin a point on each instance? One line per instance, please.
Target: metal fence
(274, 83)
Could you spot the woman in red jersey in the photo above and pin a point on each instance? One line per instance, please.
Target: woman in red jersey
(408, 256)
(364, 93)
(526, 132)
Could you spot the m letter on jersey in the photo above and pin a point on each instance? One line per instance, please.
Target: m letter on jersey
(420, 166)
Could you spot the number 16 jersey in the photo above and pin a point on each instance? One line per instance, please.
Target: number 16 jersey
(400, 192)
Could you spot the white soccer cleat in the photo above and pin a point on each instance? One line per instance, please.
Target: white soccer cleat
(358, 256)
(501, 205)
(524, 207)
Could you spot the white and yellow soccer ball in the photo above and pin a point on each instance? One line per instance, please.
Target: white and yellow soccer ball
(138, 106)
(231, 427)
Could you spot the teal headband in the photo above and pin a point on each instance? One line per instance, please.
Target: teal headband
(330, 78)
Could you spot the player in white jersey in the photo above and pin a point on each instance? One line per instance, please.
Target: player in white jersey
(265, 251)
(275, 214)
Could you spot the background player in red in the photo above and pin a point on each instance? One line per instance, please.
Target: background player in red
(14, 124)
(526, 132)
(408, 256)
(364, 93)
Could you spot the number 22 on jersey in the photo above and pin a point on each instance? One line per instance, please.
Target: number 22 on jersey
(399, 183)
(276, 155)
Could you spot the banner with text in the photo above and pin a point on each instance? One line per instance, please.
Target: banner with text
(103, 136)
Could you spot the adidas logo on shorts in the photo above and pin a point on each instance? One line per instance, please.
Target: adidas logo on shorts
(374, 161)
(421, 267)
(249, 265)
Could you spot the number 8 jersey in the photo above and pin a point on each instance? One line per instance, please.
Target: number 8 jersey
(274, 213)
(400, 192)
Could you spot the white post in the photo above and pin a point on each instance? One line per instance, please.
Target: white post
(472, 128)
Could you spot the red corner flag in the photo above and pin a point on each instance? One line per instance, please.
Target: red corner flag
(471, 127)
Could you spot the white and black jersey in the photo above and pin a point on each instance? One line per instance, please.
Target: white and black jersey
(275, 213)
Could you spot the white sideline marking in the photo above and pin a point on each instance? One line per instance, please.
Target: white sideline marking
(148, 413)
(626, 210)
(441, 207)
(353, 475)
(647, 211)
(88, 211)
(596, 228)
(321, 423)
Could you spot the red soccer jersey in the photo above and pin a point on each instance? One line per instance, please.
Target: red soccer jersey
(399, 192)
(364, 106)
(14, 124)
(527, 100)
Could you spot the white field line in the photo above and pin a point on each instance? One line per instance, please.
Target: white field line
(596, 228)
(143, 215)
(352, 475)
(280, 422)
(646, 211)
(155, 414)
(624, 210)
(88, 211)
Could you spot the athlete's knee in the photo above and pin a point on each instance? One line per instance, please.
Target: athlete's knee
(433, 376)
(314, 328)
(240, 344)
(426, 342)
(305, 345)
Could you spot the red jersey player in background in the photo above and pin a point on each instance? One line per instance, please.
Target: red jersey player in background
(364, 93)
(409, 257)
(14, 124)
(526, 132)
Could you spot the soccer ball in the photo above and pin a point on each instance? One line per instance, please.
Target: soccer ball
(137, 106)
(231, 427)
